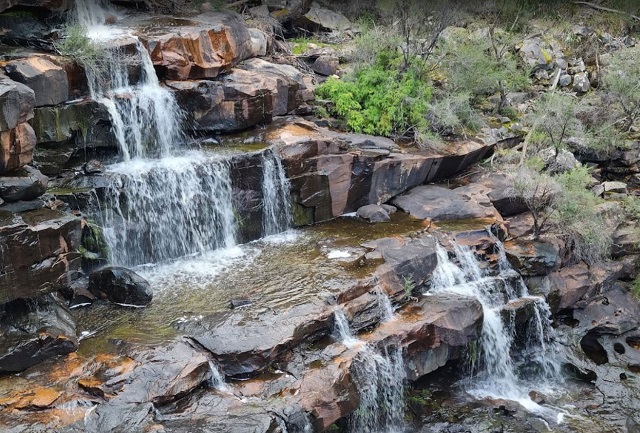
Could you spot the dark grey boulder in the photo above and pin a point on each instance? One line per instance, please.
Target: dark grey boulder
(32, 331)
(24, 184)
(121, 286)
(373, 213)
(532, 258)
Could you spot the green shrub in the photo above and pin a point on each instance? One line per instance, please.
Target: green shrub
(380, 99)
(454, 114)
(621, 83)
(553, 120)
(484, 66)
(578, 218)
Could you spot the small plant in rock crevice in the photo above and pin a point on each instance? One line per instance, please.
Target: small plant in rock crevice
(408, 285)
(79, 47)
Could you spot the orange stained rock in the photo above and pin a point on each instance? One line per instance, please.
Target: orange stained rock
(39, 398)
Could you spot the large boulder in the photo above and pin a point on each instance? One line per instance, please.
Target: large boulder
(373, 213)
(440, 204)
(17, 138)
(247, 96)
(412, 260)
(67, 130)
(319, 18)
(532, 258)
(210, 45)
(47, 79)
(32, 331)
(43, 253)
(120, 286)
(24, 184)
(16, 103)
(569, 285)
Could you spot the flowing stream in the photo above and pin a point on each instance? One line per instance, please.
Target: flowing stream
(507, 365)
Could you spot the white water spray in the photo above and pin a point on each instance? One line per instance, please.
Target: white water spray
(163, 209)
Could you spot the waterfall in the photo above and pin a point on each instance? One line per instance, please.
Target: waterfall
(276, 210)
(217, 379)
(341, 330)
(156, 210)
(145, 117)
(380, 379)
(162, 203)
(501, 377)
(385, 306)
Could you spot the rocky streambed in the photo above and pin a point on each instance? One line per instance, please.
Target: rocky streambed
(255, 326)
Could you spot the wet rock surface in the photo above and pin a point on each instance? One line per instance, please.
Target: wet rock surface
(43, 256)
(120, 286)
(34, 330)
(23, 185)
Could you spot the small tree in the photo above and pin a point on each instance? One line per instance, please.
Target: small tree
(540, 193)
(483, 67)
(565, 202)
(622, 83)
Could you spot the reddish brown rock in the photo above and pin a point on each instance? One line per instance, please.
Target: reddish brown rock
(47, 79)
(213, 44)
(43, 258)
(16, 147)
(568, 286)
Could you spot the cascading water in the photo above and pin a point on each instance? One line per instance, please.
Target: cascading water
(163, 209)
(341, 330)
(501, 377)
(217, 379)
(159, 205)
(276, 211)
(385, 306)
(145, 116)
(380, 378)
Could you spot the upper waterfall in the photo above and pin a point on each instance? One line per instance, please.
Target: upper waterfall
(145, 116)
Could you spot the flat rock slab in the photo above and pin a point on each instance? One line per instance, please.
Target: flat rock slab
(247, 346)
(440, 204)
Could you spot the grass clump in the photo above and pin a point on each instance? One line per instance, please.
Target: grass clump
(79, 47)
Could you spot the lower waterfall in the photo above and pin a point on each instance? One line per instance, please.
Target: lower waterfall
(503, 366)
(380, 378)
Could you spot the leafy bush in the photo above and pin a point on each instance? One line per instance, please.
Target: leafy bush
(454, 114)
(380, 99)
(565, 202)
(553, 120)
(578, 218)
